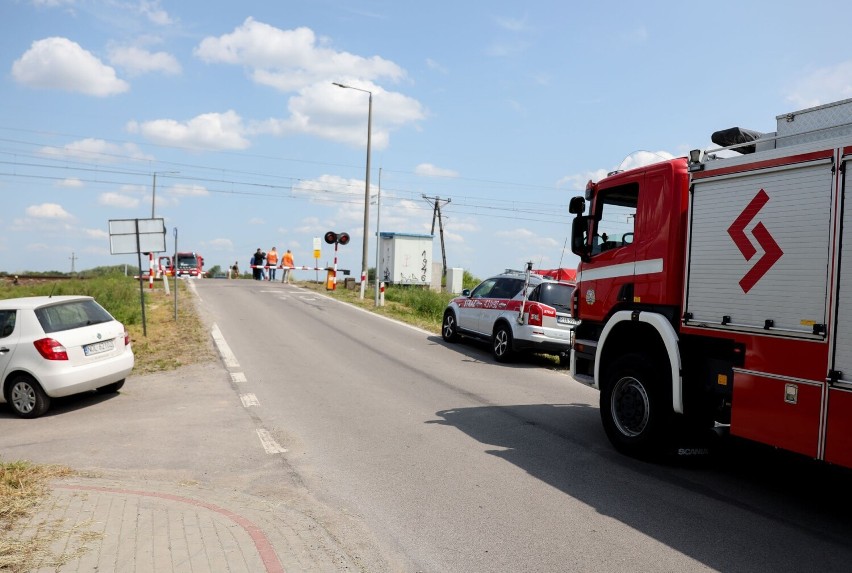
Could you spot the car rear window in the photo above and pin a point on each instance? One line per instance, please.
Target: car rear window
(556, 295)
(70, 315)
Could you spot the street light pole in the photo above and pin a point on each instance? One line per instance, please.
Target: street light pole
(154, 189)
(366, 187)
(378, 236)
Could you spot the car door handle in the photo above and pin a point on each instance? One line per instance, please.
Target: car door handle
(4, 350)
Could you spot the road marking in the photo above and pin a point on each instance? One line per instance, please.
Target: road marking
(249, 400)
(237, 377)
(192, 288)
(268, 443)
(224, 350)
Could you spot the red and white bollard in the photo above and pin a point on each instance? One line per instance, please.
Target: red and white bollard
(150, 270)
(382, 293)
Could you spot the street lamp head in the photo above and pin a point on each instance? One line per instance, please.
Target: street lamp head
(339, 85)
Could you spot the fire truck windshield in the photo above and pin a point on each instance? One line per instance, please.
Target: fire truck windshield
(187, 262)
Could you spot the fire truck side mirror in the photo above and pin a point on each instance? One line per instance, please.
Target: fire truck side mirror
(579, 237)
(577, 206)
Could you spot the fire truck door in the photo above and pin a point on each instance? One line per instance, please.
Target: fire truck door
(838, 440)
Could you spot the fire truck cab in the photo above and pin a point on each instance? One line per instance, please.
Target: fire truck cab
(714, 291)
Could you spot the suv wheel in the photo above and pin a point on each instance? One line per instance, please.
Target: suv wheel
(501, 343)
(449, 332)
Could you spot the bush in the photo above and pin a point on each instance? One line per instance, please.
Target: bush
(423, 302)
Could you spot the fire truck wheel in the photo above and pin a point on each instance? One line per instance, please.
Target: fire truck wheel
(449, 332)
(501, 343)
(636, 406)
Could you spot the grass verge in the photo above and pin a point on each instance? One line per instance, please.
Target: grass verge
(22, 488)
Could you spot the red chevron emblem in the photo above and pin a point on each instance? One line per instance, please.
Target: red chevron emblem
(771, 251)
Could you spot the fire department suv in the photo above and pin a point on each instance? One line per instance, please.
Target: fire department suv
(718, 291)
(515, 311)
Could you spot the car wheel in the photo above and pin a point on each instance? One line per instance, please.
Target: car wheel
(501, 343)
(26, 397)
(636, 406)
(111, 388)
(449, 330)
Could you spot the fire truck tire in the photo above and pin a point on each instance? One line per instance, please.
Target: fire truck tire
(501, 343)
(449, 327)
(636, 406)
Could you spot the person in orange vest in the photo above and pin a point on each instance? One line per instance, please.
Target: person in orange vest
(287, 261)
(272, 262)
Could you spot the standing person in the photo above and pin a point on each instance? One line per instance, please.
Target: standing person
(257, 264)
(272, 261)
(288, 264)
(236, 270)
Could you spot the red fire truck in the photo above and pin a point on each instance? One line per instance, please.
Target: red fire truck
(188, 264)
(714, 290)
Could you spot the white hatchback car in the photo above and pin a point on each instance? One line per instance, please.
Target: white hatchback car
(52, 346)
(515, 311)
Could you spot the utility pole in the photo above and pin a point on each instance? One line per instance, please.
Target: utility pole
(436, 214)
(73, 258)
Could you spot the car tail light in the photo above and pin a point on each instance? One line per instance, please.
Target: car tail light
(575, 303)
(126, 338)
(535, 315)
(50, 349)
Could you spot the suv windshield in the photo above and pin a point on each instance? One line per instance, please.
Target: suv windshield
(70, 315)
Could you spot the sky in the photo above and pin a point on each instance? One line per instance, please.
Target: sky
(223, 119)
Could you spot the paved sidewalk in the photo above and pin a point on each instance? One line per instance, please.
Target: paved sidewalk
(119, 526)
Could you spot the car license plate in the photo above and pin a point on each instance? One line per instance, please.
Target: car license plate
(566, 320)
(98, 347)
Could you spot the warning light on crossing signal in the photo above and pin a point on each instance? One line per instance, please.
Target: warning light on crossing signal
(340, 238)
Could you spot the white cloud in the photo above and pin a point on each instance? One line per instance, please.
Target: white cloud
(429, 170)
(436, 66)
(185, 190)
(823, 86)
(97, 150)
(297, 61)
(206, 131)
(338, 114)
(513, 24)
(577, 182)
(290, 59)
(221, 244)
(527, 237)
(331, 188)
(643, 158)
(156, 15)
(48, 211)
(137, 61)
(256, 221)
(96, 233)
(71, 182)
(59, 63)
(118, 200)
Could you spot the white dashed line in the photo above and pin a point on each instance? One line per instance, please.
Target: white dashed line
(237, 377)
(224, 350)
(268, 443)
(249, 400)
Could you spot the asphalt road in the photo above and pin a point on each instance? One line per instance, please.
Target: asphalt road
(424, 456)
